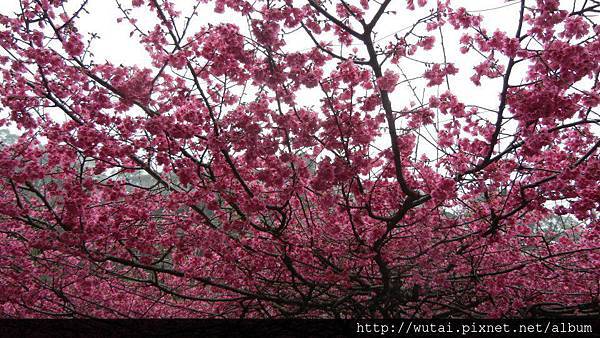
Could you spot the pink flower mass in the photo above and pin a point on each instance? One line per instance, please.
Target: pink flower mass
(300, 159)
(388, 81)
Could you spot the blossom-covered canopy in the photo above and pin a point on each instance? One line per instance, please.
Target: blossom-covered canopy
(309, 158)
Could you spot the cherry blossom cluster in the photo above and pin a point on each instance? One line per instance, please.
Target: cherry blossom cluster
(240, 174)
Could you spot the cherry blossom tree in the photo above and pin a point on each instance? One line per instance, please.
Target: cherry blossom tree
(318, 158)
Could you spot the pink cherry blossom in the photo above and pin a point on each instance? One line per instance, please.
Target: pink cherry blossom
(278, 159)
(388, 81)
